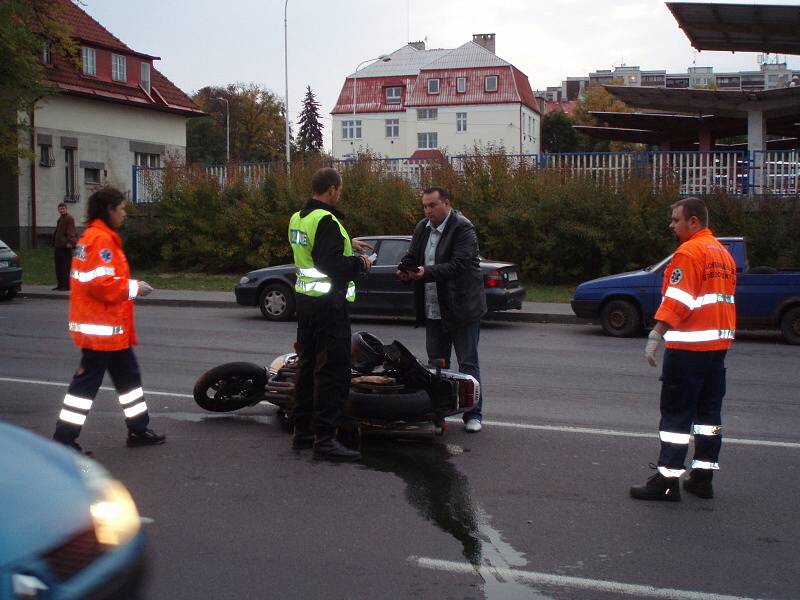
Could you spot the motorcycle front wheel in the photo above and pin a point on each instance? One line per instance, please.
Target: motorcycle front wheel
(230, 387)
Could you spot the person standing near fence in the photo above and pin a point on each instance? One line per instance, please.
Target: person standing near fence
(697, 320)
(101, 324)
(64, 239)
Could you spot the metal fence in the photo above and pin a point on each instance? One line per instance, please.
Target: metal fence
(734, 172)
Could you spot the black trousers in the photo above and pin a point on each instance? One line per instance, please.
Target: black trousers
(323, 376)
(124, 371)
(693, 386)
(62, 257)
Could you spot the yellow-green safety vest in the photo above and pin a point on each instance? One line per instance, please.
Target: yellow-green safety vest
(302, 231)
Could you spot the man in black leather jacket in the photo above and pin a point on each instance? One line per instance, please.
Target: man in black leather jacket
(449, 298)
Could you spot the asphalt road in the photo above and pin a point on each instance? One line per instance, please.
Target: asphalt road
(535, 506)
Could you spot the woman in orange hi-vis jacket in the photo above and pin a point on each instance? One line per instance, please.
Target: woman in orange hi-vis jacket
(101, 324)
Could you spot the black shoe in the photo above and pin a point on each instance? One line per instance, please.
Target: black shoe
(57, 289)
(699, 483)
(658, 487)
(329, 448)
(148, 437)
(77, 447)
(302, 440)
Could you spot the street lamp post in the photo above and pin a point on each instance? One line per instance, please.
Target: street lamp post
(227, 128)
(383, 58)
(286, 75)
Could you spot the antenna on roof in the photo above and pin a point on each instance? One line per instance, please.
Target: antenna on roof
(408, 21)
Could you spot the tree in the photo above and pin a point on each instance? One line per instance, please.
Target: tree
(558, 134)
(257, 125)
(598, 99)
(309, 138)
(27, 27)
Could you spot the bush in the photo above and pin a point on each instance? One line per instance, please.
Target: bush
(558, 227)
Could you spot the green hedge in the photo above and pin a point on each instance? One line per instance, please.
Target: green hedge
(557, 227)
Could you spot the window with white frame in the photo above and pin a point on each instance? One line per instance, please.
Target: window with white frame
(148, 161)
(351, 129)
(89, 61)
(91, 176)
(145, 79)
(46, 158)
(433, 86)
(427, 114)
(394, 94)
(47, 57)
(427, 141)
(392, 128)
(461, 121)
(461, 85)
(490, 83)
(119, 68)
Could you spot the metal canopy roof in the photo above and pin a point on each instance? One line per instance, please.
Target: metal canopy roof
(740, 27)
(778, 102)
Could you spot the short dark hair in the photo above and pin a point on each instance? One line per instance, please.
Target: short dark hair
(60, 204)
(693, 207)
(443, 193)
(324, 178)
(101, 202)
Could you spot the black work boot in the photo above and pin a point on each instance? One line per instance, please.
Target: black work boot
(75, 446)
(302, 439)
(699, 483)
(658, 487)
(148, 437)
(327, 447)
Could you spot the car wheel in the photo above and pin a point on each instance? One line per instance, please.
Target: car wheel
(8, 293)
(276, 302)
(790, 325)
(620, 318)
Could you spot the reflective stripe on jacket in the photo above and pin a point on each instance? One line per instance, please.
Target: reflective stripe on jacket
(302, 232)
(102, 292)
(698, 295)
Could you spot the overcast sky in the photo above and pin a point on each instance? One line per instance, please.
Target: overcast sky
(205, 42)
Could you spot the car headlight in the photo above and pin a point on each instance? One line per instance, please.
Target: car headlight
(116, 519)
(244, 280)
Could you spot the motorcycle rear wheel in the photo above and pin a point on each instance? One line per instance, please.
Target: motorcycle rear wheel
(230, 387)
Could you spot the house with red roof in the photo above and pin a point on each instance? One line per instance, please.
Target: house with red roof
(415, 102)
(111, 112)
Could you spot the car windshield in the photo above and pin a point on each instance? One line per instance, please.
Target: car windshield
(659, 265)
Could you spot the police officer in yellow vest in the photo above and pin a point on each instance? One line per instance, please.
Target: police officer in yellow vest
(326, 267)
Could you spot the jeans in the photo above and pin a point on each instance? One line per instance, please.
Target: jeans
(439, 342)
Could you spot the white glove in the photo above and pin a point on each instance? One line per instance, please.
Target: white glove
(654, 340)
(145, 289)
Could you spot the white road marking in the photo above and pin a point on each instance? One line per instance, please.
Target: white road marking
(564, 581)
(559, 428)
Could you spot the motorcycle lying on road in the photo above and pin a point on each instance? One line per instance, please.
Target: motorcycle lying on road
(391, 392)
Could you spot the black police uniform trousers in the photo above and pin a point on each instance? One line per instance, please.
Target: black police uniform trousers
(62, 257)
(693, 385)
(124, 371)
(323, 371)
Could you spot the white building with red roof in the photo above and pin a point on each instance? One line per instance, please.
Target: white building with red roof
(113, 111)
(415, 101)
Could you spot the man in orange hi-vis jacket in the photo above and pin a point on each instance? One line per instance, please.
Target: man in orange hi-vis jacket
(697, 320)
(101, 325)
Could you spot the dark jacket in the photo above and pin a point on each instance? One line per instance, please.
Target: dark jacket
(457, 271)
(328, 255)
(65, 234)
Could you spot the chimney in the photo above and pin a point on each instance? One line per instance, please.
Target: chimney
(417, 45)
(485, 40)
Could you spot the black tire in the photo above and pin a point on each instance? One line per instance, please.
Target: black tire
(394, 406)
(230, 387)
(276, 302)
(621, 318)
(8, 293)
(790, 326)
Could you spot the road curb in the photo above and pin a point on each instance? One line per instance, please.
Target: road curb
(511, 315)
